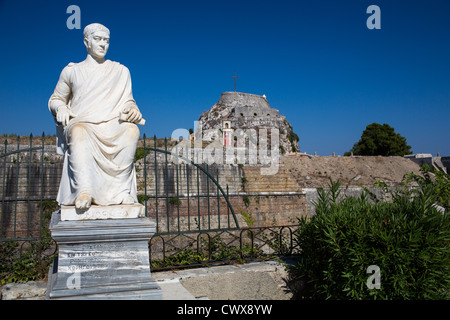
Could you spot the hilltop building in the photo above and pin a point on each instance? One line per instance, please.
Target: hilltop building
(245, 111)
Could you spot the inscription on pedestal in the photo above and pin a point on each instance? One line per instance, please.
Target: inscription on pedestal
(104, 263)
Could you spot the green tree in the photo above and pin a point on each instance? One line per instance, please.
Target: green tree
(380, 140)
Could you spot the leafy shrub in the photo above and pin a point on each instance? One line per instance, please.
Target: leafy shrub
(407, 238)
(140, 154)
(142, 198)
(27, 261)
(23, 262)
(174, 201)
(246, 200)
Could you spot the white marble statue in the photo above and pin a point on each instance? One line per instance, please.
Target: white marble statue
(96, 118)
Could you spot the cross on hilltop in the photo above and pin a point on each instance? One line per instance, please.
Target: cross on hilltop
(235, 76)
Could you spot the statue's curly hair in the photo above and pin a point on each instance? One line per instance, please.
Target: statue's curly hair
(93, 27)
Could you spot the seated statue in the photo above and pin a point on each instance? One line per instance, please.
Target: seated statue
(96, 117)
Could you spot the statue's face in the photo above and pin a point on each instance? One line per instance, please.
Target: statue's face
(97, 44)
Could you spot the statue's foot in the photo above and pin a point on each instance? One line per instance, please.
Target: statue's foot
(128, 200)
(83, 202)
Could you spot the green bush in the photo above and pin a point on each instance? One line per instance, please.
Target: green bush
(140, 154)
(174, 201)
(142, 198)
(246, 200)
(407, 238)
(27, 261)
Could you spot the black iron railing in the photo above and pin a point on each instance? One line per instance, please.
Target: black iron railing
(22, 185)
(187, 205)
(200, 248)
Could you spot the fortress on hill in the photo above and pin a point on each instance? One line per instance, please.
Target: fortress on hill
(236, 113)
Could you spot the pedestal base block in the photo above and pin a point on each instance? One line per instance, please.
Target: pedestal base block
(102, 259)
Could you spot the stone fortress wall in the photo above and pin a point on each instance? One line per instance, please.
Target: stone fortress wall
(277, 198)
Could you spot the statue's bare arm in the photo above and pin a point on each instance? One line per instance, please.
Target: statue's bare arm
(131, 111)
(58, 103)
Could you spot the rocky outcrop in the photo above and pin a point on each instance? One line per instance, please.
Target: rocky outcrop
(245, 112)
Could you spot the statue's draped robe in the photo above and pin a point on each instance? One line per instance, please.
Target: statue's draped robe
(101, 163)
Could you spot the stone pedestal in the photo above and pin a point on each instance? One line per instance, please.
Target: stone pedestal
(102, 259)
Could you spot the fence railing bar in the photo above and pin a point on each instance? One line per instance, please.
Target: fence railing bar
(156, 183)
(18, 150)
(4, 188)
(20, 239)
(218, 201)
(29, 187)
(228, 208)
(17, 187)
(167, 186)
(177, 199)
(145, 177)
(209, 209)
(191, 231)
(198, 200)
(188, 200)
(32, 198)
(41, 210)
(209, 244)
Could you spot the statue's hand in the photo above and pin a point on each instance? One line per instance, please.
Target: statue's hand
(133, 114)
(63, 115)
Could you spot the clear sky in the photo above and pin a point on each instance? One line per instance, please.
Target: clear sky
(316, 61)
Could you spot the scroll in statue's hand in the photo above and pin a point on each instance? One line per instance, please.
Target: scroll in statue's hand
(132, 114)
(63, 115)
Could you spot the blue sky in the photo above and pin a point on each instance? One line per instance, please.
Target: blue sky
(316, 61)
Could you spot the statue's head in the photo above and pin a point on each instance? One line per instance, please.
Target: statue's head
(96, 40)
